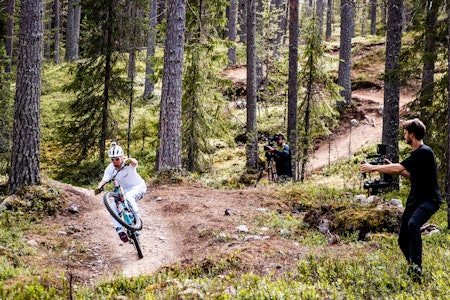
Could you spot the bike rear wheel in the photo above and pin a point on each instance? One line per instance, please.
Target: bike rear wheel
(137, 244)
(111, 200)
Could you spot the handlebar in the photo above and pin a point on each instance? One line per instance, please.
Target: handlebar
(100, 189)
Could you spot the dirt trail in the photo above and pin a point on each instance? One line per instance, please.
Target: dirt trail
(103, 254)
(353, 137)
(182, 223)
(176, 217)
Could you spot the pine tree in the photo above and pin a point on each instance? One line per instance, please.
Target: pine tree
(25, 162)
(292, 122)
(9, 34)
(98, 80)
(73, 29)
(232, 19)
(169, 152)
(316, 110)
(252, 124)
(447, 139)
(202, 103)
(392, 79)
(347, 31)
(429, 59)
(57, 21)
(6, 113)
(151, 45)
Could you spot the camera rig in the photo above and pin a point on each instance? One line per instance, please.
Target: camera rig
(271, 140)
(384, 182)
(269, 164)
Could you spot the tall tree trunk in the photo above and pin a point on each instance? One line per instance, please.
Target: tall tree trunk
(242, 20)
(252, 125)
(169, 155)
(134, 15)
(47, 29)
(70, 38)
(429, 59)
(56, 37)
(151, 46)
(345, 51)
(25, 153)
(392, 80)
(162, 10)
(408, 13)
(281, 22)
(9, 35)
(384, 8)
(259, 61)
(363, 16)
(232, 18)
(107, 81)
(373, 17)
(72, 30)
(192, 114)
(76, 28)
(293, 84)
(447, 185)
(306, 120)
(319, 16)
(329, 19)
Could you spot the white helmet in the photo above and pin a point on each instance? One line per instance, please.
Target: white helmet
(115, 150)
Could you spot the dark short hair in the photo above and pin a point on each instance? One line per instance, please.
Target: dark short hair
(281, 136)
(415, 126)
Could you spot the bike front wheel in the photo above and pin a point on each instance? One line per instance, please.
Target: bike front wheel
(123, 214)
(136, 243)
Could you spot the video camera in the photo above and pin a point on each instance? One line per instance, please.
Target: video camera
(382, 184)
(271, 140)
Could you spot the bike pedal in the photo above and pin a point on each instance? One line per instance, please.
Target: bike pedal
(123, 236)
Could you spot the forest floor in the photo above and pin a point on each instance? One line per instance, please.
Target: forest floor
(181, 221)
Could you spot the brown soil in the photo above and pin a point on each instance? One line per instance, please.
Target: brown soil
(183, 222)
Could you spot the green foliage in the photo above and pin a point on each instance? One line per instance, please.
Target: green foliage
(365, 272)
(227, 165)
(202, 101)
(12, 246)
(372, 269)
(317, 109)
(202, 108)
(81, 126)
(16, 255)
(80, 172)
(34, 290)
(6, 114)
(35, 200)
(437, 135)
(275, 91)
(288, 225)
(98, 81)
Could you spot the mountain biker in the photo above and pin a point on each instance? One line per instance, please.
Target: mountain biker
(424, 197)
(124, 170)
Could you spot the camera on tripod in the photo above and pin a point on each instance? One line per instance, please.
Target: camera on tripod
(384, 183)
(271, 140)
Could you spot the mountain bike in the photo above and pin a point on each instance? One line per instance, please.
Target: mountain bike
(123, 212)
